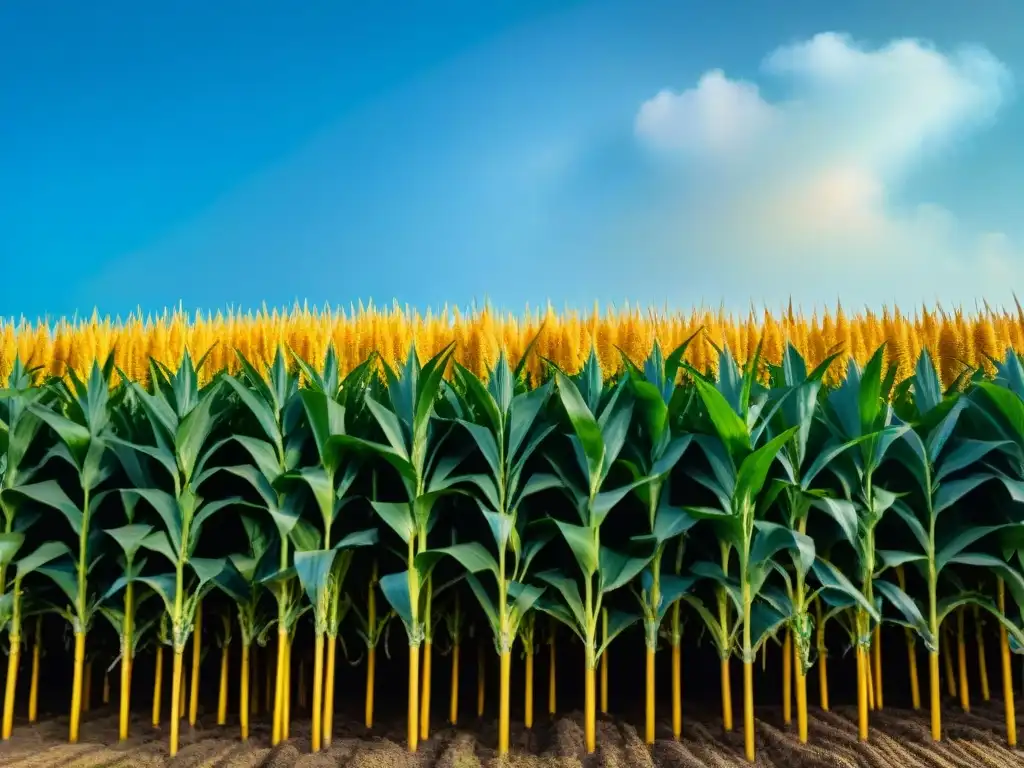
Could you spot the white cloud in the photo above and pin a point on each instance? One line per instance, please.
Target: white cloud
(807, 181)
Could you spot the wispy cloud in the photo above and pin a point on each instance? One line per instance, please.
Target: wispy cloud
(798, 192)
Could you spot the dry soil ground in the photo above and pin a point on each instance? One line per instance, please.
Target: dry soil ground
(898, 738)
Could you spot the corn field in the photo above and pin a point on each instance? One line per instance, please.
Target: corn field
(261, 488)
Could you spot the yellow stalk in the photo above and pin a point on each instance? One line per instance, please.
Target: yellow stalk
(935, 695)
(552, 686)
(787, 678)
(414, 698)
(286, 711)
(915, 688)
(177, 674)
(801, 696)
(106, 687)
(318, 688)
(158, 685)
(222, 694)
(604, 662)
(869, 680)
(181, 693)
(947, 663)
(12, 684)
(649, 703)
(862, 694)
(33, 691)
(528, 704)
(126, 694)
(453, 701)
(197, 647)
(677, 691)
(371, 663)
(877, 650)
(505, 668)
(979, 639)
(76, 688)
(961, 662)
(726, 695)
(481, 680)
(282, 649)
(328, 716)
(243, 692)
(748, 710)
(589, 709)
(1004, 653)
(425, 693)
(823, 683)
(87, 688)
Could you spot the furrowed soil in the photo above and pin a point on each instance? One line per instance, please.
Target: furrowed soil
(898, 738)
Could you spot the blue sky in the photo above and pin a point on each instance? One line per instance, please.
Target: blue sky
(235, 153)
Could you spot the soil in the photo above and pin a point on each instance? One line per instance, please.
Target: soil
(898, 738)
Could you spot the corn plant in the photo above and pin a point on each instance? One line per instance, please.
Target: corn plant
(599, 427)
(654, 454)
(411, 446)
(182, 416)
(859, 410)
(80, 417)
(738, 412)
(506, 429)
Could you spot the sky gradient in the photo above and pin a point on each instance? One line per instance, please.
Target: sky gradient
(240, 153)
